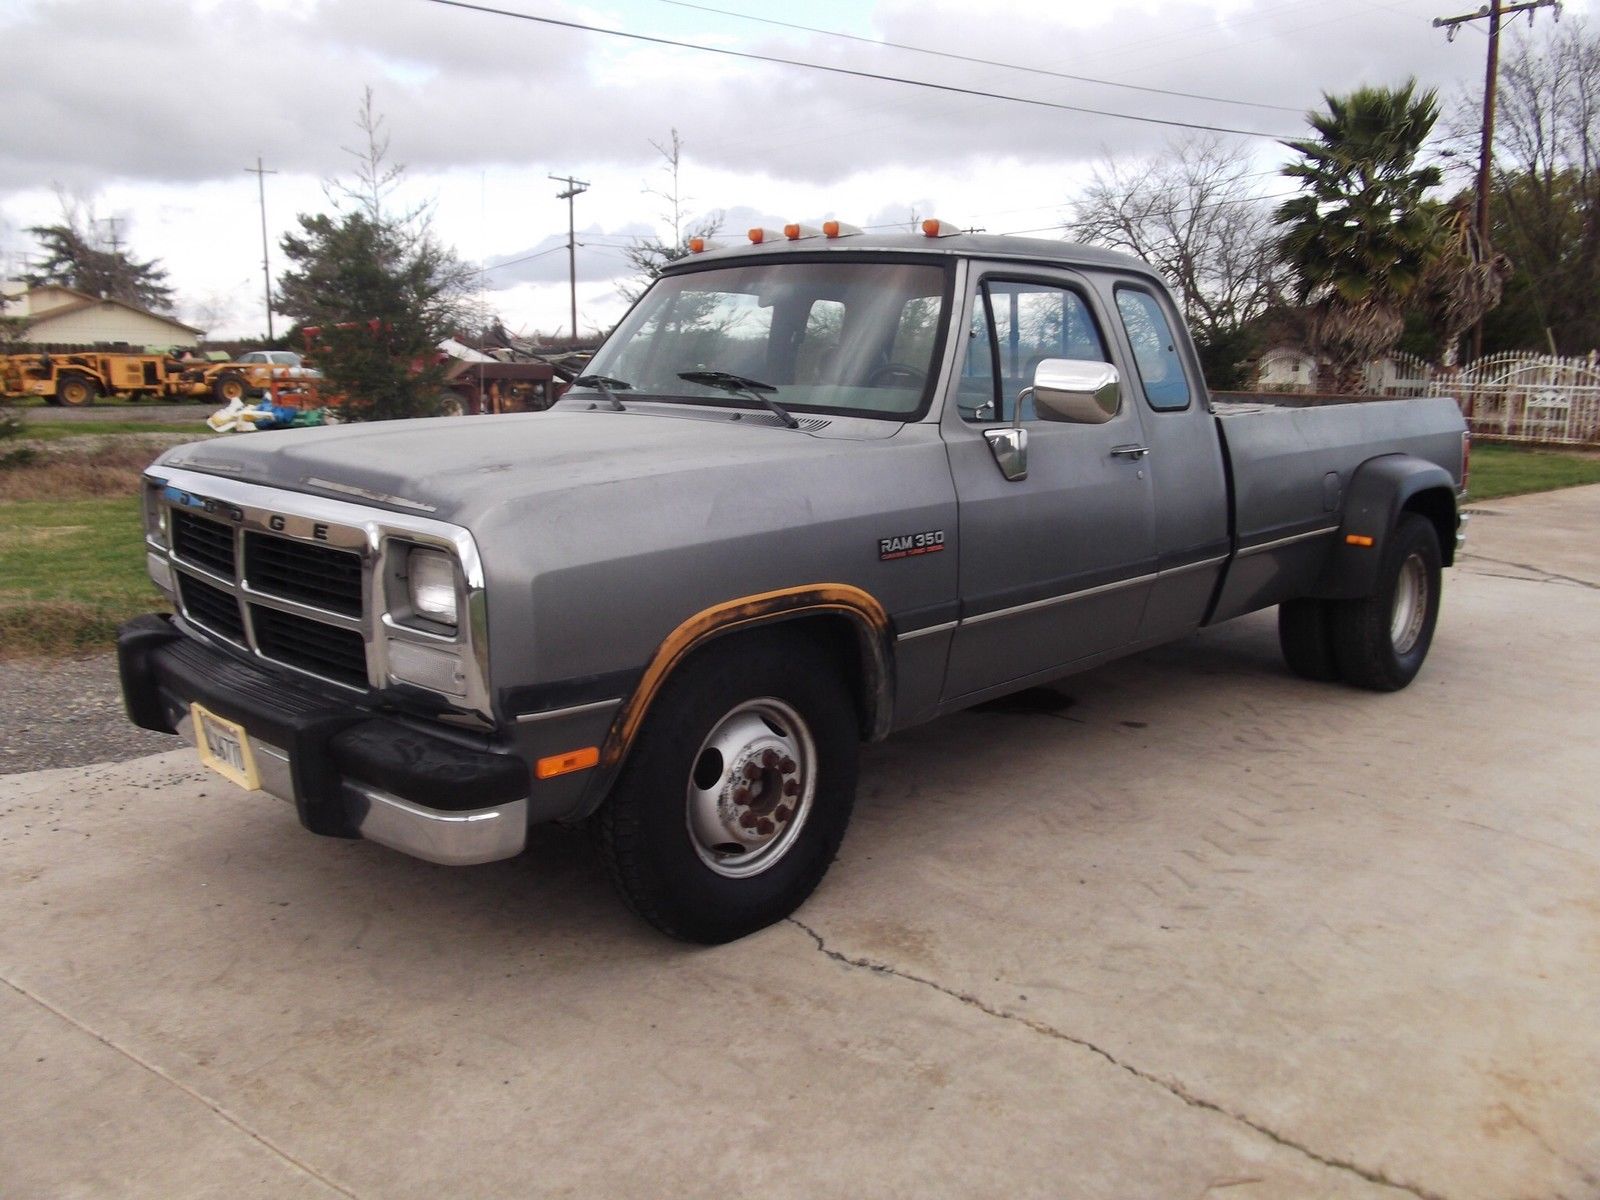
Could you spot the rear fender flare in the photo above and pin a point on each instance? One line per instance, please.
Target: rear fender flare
(1380, 490)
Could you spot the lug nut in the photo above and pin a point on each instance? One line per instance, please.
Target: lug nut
(751, 770)
(769, 758)
(782, 814)
(787, 766)
(742, 796)
(791, 787)
(747, 820)
(765, 826)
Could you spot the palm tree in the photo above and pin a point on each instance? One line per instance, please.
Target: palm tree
(1359, 238)
(1465, 280)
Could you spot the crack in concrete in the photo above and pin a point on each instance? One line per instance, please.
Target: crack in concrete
(1171, 1087)
(1543, 576)
(253, 1134)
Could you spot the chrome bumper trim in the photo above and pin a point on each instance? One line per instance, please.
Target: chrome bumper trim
(454, 839)
(1461, 530)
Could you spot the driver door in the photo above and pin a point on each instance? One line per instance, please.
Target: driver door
(1056, 567)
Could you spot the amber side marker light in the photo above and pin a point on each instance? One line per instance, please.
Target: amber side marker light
(757, 236)
(935, 228)
(1357, 539)
(565, 764)
(838, 229)
(697, 245)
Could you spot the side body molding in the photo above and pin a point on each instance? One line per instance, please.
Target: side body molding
(1380, 490)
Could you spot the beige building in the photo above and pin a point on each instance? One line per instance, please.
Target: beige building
(56, 315)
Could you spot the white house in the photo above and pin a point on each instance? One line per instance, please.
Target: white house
(57, 315)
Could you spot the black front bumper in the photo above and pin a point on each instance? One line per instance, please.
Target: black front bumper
(349, 770)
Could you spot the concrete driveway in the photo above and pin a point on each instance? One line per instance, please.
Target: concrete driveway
(1202, 929)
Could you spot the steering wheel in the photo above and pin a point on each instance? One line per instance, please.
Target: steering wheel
(890, 372)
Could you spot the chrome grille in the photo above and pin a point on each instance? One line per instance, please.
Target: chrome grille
(203, 542)
(211, 607)
(303, 571)
(296, 641)
(315, 585)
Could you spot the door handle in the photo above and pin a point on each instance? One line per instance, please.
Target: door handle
(1133, 452)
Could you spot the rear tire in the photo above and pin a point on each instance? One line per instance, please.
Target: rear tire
(1381, 641)
(1305, 634)
(76, 391)
(737, 793)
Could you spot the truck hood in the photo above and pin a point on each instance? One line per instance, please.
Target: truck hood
(462, 469)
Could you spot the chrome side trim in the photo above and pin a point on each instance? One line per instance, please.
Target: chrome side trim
(1083, 594)
(942, 627)
(1198, 565)
(575, 710)
(1246, 551)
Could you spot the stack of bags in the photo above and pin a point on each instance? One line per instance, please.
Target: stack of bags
(240, 417)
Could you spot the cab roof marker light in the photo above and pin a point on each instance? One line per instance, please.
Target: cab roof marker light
(699, 245)
(838, 229)
(797, 233)
(757, 236)
(935, 228)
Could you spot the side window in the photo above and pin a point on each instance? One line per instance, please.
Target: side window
(1155, 350)
(1031, 322)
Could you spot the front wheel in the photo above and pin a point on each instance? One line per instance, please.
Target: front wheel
(737, 794)
(76, 391)
(1381, 641)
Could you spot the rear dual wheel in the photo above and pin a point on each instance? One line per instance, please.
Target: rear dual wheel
(736, 796)
(1378, 642)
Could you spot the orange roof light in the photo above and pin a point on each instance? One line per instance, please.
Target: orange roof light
(796, 232)
(757, 236)
(933, 227)
(838, 229)
(697, 245)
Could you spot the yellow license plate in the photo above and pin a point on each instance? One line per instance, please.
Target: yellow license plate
(225, 747)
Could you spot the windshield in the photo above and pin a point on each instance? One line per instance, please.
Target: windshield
(845, 337)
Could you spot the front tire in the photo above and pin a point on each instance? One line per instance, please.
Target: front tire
(228, 387)
(76, 391)
(736, 796)
(1381, 641)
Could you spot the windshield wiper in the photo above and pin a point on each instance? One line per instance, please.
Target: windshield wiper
(606, 386)
(738, 385)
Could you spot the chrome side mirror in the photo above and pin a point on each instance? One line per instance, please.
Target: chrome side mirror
(1073, 390)
(1010, 450)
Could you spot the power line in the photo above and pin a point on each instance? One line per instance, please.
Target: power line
(511, 262)
(855, 73)
(986, 62)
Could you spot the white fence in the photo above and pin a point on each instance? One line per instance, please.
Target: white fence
(1528, 397)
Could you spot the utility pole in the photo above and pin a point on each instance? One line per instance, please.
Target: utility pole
(116, 243)
(261, 174)
(575, 187)
(1493, 12)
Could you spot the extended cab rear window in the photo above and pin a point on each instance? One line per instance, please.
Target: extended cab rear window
(1155, 350)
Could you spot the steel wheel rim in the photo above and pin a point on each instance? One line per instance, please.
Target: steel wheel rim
(1410, 604)
(751, 787)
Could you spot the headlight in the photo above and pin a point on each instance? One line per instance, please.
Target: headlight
(431, 583)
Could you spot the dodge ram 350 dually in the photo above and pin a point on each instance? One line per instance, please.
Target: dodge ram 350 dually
(811, 491)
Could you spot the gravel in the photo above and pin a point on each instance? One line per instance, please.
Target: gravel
(68, 713)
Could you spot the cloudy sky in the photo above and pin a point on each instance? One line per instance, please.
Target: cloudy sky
(166, 103)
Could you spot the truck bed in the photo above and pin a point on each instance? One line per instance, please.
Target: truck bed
(1289, 474)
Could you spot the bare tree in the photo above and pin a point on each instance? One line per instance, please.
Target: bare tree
(1195, 214)
(1546, 201)
(647, 256)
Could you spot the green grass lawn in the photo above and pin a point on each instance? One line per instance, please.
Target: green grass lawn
(70, 572)
(1516, 470)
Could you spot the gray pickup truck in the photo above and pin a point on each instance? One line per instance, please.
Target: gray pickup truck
(811, 492)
